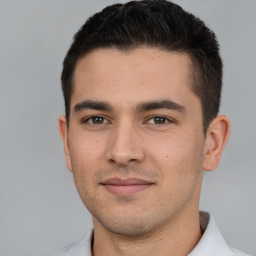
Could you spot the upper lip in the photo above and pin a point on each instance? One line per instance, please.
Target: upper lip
(125, 182)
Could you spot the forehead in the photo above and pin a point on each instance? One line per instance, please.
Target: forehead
(128, 76)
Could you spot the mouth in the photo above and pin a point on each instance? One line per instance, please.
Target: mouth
(124, 187)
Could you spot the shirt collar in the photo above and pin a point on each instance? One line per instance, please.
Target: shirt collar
(212, 242)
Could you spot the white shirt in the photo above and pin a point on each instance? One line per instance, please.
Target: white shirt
(211, 243)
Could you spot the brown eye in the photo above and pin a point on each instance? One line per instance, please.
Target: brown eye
(159, 120)
(97, 120)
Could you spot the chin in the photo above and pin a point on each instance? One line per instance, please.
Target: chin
(134, 225)
(127, 229)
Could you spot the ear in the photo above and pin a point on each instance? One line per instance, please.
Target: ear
(216, 138)
(63, 129)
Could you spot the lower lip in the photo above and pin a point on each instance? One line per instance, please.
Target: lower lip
(127, 189)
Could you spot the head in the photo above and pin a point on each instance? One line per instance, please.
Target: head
(142, 86)
(160, 24)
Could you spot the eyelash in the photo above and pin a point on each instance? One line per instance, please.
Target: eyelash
(166, 120)
(86, 120)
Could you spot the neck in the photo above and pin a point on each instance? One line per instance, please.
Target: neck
(178, 238)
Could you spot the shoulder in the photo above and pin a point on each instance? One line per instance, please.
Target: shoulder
(212, 243)
(82, 248)
(66, 251)
(237, 252)
(71, 250)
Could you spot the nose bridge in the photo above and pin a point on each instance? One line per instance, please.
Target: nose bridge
(124, 145)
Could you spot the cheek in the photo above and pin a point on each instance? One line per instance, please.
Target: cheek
(85, 150)
(85, 154)
(84, 177)
(179, 163)
(178, 156)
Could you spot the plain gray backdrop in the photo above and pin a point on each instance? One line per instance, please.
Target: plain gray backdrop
(40, 210)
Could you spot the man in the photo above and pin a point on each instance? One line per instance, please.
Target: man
(142, 85)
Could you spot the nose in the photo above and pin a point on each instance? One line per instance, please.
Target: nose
(125, 145)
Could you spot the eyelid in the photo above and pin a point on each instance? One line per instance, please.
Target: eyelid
(169, 120)
(86, 119)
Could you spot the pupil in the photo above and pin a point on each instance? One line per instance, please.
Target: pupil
(159, 120)
(97, 120)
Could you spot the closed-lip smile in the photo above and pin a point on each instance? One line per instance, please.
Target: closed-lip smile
(124, 187)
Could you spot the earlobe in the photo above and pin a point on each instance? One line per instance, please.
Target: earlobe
(216, 139)
(64, 135)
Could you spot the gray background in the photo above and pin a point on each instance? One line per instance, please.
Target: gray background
(40, 209)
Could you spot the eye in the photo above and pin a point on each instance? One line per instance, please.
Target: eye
(95, 120)
(159, 120)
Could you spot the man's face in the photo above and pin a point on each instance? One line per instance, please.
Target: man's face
(135, 142)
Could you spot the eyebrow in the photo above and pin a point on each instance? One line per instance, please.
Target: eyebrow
(91, 104)
(159, 104)
(141, 107)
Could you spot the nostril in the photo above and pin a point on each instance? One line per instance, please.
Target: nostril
(122, 162)
(112, 160)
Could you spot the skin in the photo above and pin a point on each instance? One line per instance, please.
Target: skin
(170, 152)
